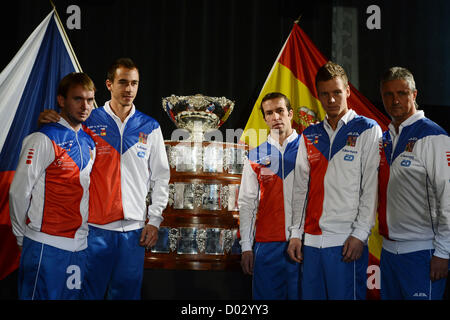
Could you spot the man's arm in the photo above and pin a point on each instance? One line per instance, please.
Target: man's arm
(370, 161)
(159, 183)
(436, 153)
(299, 202)
(248, 206)
(36, 155)
(365, 219)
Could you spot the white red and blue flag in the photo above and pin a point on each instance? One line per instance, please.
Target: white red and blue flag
(28, 85)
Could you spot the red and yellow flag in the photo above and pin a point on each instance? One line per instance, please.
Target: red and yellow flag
(293, 74)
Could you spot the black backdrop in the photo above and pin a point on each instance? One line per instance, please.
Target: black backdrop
(217, 48)
(227, 48)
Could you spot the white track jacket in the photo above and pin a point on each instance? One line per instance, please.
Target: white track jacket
(49, 195)
(131, 160)
(335, 186)
(265, 194)
(414, 187)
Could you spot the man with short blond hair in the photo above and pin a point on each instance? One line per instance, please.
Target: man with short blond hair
(49, 198)
(335, 190)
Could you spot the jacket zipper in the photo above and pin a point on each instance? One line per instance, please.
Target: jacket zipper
(81, 153)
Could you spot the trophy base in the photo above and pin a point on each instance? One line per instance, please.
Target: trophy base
(200, 227)
(174, 261)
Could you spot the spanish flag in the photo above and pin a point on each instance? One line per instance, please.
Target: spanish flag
(293, 74)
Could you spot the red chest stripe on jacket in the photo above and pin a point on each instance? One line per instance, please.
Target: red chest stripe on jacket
(105, 194)
(318, 164)
(383, 180)
(62, 185)
(270, 219)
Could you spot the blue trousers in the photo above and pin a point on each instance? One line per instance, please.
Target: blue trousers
(49, 273)
(407, 276)
(327, 277)
(115, 265)
(275, 275)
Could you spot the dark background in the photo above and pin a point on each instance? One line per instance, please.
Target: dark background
(227, 48)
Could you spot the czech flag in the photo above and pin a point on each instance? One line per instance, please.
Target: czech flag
(293, 74)
(28, 85)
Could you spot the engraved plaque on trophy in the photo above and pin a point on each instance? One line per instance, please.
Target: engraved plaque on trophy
(235, 160)
(211, 197)
(214, 241)
(187, 243)
(213, 158)
(184, 196)
(187, 157)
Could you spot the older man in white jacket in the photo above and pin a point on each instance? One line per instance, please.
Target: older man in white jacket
(414, 191)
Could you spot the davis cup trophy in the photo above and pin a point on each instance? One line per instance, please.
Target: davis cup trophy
(199, 231)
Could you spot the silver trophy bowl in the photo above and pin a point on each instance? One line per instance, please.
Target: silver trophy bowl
(198, 113)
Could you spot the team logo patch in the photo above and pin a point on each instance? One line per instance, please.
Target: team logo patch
(410, 145)
(103, 131)
(30, 156)
(448, 158)
(316, 140)
(143, 137)
(351, 140)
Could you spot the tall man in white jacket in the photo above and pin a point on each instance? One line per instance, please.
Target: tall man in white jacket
(414, 193)
(335, 192)
(265, 205)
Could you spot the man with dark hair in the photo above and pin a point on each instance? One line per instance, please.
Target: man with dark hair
(131, 162)
(275, 95)
(335, 191)
(121, 62)
(265, 205)
(49, 198)
(414, 193)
